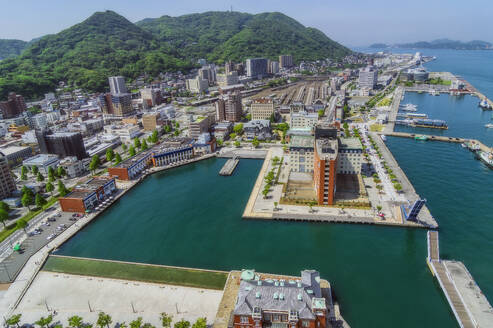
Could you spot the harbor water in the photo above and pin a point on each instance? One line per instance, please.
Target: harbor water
(191, 216)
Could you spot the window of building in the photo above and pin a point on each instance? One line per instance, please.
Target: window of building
(244, 319)
(305, 323)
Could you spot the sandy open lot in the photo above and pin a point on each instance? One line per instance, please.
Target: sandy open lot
(124, 300)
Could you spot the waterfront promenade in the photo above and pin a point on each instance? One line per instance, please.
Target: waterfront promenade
(468, 303)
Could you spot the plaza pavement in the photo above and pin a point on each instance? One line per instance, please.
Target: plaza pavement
(85, 296)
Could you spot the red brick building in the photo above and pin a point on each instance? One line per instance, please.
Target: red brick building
(88, 195)
(325, 170)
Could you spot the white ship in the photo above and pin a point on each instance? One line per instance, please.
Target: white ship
(487, 158)
(410, 108)
(489, 125)
(484, 104)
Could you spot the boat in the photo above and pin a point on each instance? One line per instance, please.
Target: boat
(484, 104)
(463, 145)
(421, 138)
(384, 138)
(409, 108)
(486, 158)
(427, 123)
(489, 125)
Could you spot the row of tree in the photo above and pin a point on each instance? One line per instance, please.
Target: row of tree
(105, 320)
(52, 173)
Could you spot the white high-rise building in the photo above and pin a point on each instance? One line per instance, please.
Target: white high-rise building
(117, 85)
(368, 77)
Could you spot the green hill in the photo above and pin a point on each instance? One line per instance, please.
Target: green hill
(87, 53)
(220, 36)
(108, 44)
(11, 48)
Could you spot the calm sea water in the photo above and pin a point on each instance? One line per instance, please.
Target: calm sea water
(190, 216)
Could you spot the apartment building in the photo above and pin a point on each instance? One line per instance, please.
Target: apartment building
(301, 153)
(350, 156)
(368, 77)
(286, 61)
(229, 107)
(325, 170)
(303, 119)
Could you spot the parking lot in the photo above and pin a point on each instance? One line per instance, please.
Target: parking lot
(39, 234)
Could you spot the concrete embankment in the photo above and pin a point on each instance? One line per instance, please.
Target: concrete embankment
(229, 166)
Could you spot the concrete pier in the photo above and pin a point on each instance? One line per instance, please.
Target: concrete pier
(482, 146)
(468, 303)
(229, 166)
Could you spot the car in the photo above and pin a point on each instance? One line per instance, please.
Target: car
(50, 237)
(52, 219)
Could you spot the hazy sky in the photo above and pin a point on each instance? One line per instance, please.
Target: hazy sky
(351, 22)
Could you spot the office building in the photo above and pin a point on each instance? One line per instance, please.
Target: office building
(286, 61)
(256, 68)
(16, 154)
(61, 143)
(283, 302)
(368, 77)
(150, 97)
(125, 132)
(7, 183)
(72, 166)
(199, 126)
(325, 170)
(262, 109)
(39, 121)
(117, 85)
(42, 161)
(151, 121)
(222, 130)
(86, 196)
(121, 104)
(350, 156)
(208, 73)
(229, 107)
(303, 119)
(13, 107)
(197, 85)
(301, 153)
(224, 80)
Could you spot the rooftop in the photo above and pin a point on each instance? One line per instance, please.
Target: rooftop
(350, 143)
(12, 150)
(40, 159)
(327, 148)
(302, 141)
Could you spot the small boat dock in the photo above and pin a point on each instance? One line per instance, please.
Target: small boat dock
(229, 166)
(468, 303)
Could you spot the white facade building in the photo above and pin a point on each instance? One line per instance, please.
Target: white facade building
(302, 120)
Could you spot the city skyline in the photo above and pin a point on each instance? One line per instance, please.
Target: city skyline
(352, 24)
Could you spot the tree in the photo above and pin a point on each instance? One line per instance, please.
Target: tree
(124, 147)
(398, 187)
(255, 142)
(321, 113)
(22, 224)
(238, 128)
(14, 320)
(118, 158)
(23, 170)
(137, 143)
(137, 323)
(4, 216)
(200, 323)
(75, 321)
(275, 205)
(154, 136)
(4, 206)
(34, 169)
(49, 188)
(23, 176)
(219, 142)
(237, 144)
(177, 125)
(232, 135)
(177, 132)
(104, 320)
(131, 151)
(40, 177)
(62, 190)
(110, 154)
(166, 320)
(95, 162)
(27, 200)
(182, 324)
(39, 200)
(167, 129)
(265, 192)
(44, 322)
(248, 117)
(61, 171)
(144, 146)
(379, 208)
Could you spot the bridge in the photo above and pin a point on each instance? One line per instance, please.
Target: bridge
(468, 303)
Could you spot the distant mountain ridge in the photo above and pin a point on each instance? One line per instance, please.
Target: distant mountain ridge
(11, 48)
(440, 44)
(108, 44)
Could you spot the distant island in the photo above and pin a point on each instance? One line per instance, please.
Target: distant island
(439, 44)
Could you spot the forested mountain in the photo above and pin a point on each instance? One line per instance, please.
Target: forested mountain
(108, 44)
(220, 36)
(449, 44)
(11, 48)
